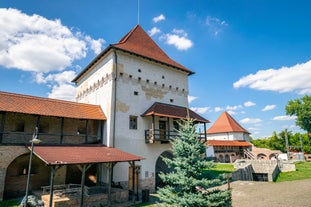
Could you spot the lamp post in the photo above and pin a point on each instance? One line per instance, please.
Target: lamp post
(33, 141)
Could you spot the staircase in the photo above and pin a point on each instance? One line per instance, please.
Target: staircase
(249, 154)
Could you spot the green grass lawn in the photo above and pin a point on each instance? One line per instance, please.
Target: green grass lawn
(303, 171)
(219, 169)
(11, 203)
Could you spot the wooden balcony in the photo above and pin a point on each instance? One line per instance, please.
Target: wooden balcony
(164, 136)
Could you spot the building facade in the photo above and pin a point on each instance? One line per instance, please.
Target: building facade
(228, 140)
(143, 93)
(130, 97)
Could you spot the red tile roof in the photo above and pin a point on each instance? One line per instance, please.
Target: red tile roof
(172, 111)
(66, 155)
(227, 143)
(19, 103)
(225, 123)
(139, 43)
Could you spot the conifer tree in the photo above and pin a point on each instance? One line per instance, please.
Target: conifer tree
(186, 185)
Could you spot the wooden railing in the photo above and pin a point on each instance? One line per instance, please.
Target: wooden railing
(155, 135)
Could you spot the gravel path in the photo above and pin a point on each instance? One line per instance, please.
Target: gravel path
(268, 194)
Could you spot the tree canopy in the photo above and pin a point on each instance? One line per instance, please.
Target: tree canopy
(302, 109)
(186, 184)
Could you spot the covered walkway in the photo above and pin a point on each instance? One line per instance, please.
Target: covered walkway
(84, 156)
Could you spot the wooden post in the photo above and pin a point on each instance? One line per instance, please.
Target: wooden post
(52, 185)
(2, 126)
(86, 131)
(62, 131)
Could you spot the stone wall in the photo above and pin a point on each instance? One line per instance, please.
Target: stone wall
(8, 154)
(246, 169)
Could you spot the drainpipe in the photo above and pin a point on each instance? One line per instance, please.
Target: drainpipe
(115, 98)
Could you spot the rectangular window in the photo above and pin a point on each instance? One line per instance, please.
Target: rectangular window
(133, 122)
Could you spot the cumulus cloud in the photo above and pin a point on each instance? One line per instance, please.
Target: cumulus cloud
(60, 84)
(159, 18)
(177, 38)
(200, 110)
(250, 121)
(154, 31)
(34, 43)
(285, 79)
(233, 108)
(268, 108)
(215, 25)
(284, 118)
(249, 104)
(217, 109)
(191, 98)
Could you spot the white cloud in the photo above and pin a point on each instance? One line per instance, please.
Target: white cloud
(159, 18)
(154, 31)
(233, 108)
(217, 109)
(60, 84)
(191, 98)
(34, 43)
(250, 121)
(177, 38)
(285, 79)
(199, 110)
(249, 104)
(63, 91)
(284, 118)
(215, 25)
(96, 45)
(232, 112)
(268, 108)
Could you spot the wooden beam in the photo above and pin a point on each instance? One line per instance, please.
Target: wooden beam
(62, 130)
(53, 169)
(2, 125)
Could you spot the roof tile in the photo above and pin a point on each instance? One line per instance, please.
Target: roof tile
(225, 123)
(173, 111)
(65, 155)
(19, 103)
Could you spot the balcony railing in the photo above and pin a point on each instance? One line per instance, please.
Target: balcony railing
(161, 135)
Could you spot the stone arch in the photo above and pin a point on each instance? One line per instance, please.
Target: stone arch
(261, 156)
(227, 158)
(221, 158)
(16, 176)
(273, 156)
(162, 167)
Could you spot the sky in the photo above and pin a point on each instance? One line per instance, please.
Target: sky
(249, 57)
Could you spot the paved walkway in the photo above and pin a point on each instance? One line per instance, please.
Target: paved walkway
(268, 194)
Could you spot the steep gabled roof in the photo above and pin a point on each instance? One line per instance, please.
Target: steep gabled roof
(225, 123)
(173, 111)
(138, 42)
(11, 102)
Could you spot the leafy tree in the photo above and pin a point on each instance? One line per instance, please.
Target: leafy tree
(186, 185)
(277, 142)
(302, 109)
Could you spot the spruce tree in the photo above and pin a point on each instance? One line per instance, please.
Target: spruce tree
(186, 185)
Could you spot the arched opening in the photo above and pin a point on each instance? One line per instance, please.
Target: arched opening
(162, 167)
(273, 156)
(16, 176)
(261, 156)
(227, 159)
(221, 158)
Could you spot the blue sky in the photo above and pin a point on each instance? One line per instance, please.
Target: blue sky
(249, 57)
